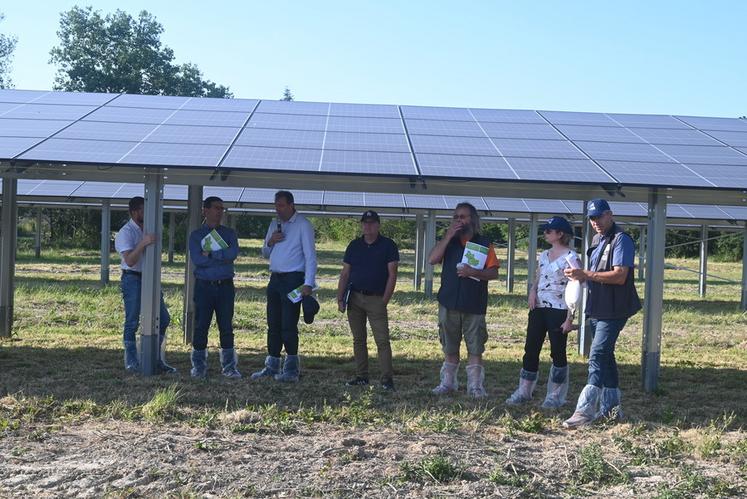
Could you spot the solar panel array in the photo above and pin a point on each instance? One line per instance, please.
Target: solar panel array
(75, 190)
(494, 144)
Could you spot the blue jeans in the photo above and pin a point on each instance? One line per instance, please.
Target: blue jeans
(282, 314)
(131, 285)
(602, 364)
(213, 297)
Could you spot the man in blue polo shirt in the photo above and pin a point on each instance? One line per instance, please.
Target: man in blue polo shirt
(214, 291)
(367, 281)
(612, 299)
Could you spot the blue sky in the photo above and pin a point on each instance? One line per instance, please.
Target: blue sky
(668, 57)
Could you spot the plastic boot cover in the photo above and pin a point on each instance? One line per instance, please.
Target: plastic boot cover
(272, 367)
(163, 367)
(449, 382)
(527, 382)
(131, 362)
(557, 388)
(291, 370)
(228, 361)
(475, 379)
(611, 404)
(199, 363)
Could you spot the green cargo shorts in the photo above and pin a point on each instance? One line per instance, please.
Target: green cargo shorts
(453, 324)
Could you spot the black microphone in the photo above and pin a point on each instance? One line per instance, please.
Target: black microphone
(279, 227)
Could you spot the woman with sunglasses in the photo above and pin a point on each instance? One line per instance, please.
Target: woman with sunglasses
(549, 315)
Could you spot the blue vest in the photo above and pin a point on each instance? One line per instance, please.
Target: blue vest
(460, 293)
(609, 301)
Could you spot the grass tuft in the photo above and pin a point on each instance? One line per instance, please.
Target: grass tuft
(163, 405)
(438, 468)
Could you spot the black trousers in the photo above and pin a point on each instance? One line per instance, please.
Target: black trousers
(211, 297)
(282, 314)
(545, 321)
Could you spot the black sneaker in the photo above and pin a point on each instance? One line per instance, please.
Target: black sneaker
(358, 381)
(388, 385)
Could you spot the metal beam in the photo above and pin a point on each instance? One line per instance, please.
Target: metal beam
(532, 250)
(38, 232)
(430, 242)
(702, 278)
(8, 234)
(418, 264)
(194, 219)
(106, 230)
(744, 269)
(511, 255)
(150, 298)
(654, 291)
(172, 230)
(585, 334)
(642, 253)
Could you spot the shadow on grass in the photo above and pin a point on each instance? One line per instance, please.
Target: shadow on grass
(687, 396)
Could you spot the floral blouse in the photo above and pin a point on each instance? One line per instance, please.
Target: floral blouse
(552, 281)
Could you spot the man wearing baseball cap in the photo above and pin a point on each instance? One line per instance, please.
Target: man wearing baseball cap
(612, 299)
(367, 280)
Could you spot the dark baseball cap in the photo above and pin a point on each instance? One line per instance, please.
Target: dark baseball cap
(310, 308)
(597, 207)
(370, 216)
(558, 223)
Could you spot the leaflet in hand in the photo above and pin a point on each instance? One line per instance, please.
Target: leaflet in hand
(475, 255)
(295, 296)
(213, 242)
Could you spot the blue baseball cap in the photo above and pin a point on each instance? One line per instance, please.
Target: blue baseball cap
(597, 207)
(558, 223)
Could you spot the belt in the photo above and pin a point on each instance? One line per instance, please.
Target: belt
(288, 273)
(133, 272)
(217, 282)
(368, 293)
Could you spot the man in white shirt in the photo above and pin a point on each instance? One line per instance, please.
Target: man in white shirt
(130, 243)
(289, 244)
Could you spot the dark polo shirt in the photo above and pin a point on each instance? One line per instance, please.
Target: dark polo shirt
(368, 263)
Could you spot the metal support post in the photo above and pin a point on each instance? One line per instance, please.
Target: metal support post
(654, 291)
(703, 261)
(194, 219)
(418, 264)
(150, 298)
(585, 333)
(172, 230)
(511, 255)
(106, 230)
(642, 253)
(532, 250)
(8, 234)
(38, 233)
(430, 242)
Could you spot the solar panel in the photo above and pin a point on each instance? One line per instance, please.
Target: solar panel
(348, 141)
(179, 134)
(425, 201)
(441, 127)
(391, 163)
(451, 165)
(573, 118)
(10, 147)
(678, 136)
(293, 107)
(287, 121)
(573, 170)
(625, 209)
(150, 101)
(180, 192)
(104, 190)
(273, 158)
(308, 198)
(598, 133)
(131, 190)
(129, 115)
(719, 155)
(524, 148)
(147, 153)
(734, 139)
(257, 195)
(477, 202)
(7, 106)
(453, 145)
(548, 206)
(48, 112)
(52, 188)
(725, 124)
(383, 200)
(368, 125)
(94, 130)
(436, 113)
(505, 204)
(72, 150)
(364, 110)
(736, 212)
(725, 176)
(653, 174)
(266, 137)
(705, 211)
(207, 104)
(646, 121)
(521, 131)
(21, 96)
(338, 198)
(207, 118)
(618, 151)
(10, 127)
(507, 116)
(227, 194)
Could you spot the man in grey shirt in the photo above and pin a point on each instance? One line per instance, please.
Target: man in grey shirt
(289, 244)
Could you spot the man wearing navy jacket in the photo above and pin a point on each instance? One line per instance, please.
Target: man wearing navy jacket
(214, 291)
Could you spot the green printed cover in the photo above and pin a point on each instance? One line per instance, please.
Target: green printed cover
(295, 295)
(475, 255)
(213, 242)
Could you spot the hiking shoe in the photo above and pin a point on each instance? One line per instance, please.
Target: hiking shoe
(578, 419)
(357, 381)
(164, 368)
(387, 385)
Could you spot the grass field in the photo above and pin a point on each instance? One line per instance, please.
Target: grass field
(64, 392)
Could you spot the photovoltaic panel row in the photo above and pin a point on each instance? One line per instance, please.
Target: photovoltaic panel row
(47, 97)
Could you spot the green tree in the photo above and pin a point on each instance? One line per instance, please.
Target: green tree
(121, 53)
(7, 46)
(287, 95)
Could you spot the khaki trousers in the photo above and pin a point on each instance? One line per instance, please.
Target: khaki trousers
(360, 308)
